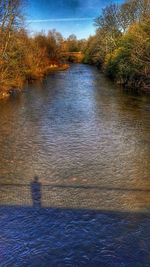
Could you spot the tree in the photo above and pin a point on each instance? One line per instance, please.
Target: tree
(121, 45)
(10, 20)
(72, 43)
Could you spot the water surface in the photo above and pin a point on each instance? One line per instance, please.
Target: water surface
(88, 142)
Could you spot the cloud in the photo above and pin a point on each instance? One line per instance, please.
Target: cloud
(59, 20)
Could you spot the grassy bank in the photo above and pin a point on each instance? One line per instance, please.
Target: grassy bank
(17, 85)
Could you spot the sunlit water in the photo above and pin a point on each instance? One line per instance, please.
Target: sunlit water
(89, 144)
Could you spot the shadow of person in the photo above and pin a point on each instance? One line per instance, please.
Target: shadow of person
(36, 192)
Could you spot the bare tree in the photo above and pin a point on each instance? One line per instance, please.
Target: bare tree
(10, 20)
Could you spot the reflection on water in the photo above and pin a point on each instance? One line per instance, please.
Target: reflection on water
(88, 142)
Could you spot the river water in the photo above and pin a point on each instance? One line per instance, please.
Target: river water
(88, 143)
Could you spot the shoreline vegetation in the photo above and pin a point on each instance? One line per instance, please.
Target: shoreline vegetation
(121, 44)
(8, 91)
(120, 47)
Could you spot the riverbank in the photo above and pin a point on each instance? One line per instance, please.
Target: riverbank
(73, 57)
(138, 84)
(32, 76)
(41, 73)
(122, 53)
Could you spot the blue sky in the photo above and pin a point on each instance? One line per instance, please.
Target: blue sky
(66, 16)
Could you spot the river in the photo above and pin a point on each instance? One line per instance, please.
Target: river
(88, 142)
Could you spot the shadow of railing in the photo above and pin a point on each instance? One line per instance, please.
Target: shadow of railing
(65, 225)
(74, 196)
(100, 188)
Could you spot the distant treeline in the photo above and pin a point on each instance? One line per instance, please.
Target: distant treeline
(121, 45)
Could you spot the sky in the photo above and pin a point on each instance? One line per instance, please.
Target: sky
(66, 16)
